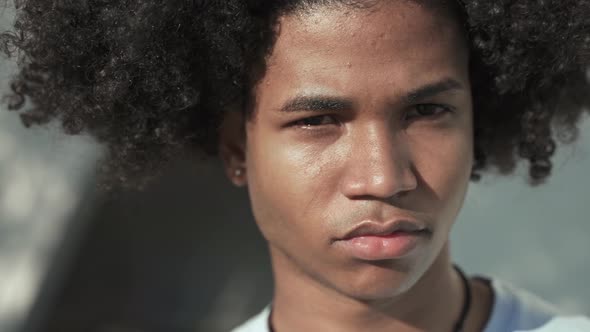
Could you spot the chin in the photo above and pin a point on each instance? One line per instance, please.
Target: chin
(377, 280)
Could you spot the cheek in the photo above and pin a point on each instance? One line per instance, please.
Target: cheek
(443, 163)
(288, 185)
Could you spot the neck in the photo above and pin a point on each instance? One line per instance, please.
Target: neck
(433, 303)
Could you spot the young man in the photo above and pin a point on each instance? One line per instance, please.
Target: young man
(355, 125)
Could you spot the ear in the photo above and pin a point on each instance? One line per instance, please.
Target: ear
(232, 147)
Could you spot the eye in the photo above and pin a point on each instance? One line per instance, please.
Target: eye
(427, 110)
(315, 121)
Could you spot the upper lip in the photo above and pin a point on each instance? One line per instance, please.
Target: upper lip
(368, 228)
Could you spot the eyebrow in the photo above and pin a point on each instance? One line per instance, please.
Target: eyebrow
(317, 103)
(321, 103)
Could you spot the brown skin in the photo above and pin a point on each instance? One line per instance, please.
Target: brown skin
(315, 172)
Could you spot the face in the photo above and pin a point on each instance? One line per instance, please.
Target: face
(362, 119)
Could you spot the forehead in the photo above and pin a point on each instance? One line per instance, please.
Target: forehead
(392, 15)
(388, 43)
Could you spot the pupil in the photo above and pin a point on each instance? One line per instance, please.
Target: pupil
(313, 121)
(426, 109)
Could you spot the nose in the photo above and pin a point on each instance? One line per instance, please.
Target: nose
(379, 165)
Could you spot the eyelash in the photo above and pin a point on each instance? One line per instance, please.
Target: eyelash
(443, 110)
(311, 122)
(305, 122)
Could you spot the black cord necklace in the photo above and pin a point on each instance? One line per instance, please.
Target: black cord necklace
(466, 301)
(464, 310)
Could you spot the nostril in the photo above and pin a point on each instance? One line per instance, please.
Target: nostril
(364, 183)
(379, 164)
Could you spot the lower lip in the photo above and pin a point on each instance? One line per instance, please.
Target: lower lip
(392, 246)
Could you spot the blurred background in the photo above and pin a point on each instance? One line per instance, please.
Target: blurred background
(185, 254)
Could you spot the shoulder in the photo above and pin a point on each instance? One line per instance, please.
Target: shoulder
(258, 323)
(516, 310)
(566, 324)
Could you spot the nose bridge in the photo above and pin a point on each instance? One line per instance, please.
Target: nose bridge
(379, 164)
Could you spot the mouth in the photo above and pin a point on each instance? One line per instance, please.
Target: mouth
(378, 229)
(381, 241)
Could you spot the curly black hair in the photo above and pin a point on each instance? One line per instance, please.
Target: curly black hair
(152, 79)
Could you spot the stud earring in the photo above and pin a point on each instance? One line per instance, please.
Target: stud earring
(239, 172)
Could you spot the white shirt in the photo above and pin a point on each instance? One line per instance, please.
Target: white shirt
(514, 310)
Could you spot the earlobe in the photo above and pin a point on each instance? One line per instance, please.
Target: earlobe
(239, 177)
(232, 147)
